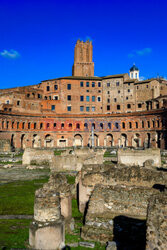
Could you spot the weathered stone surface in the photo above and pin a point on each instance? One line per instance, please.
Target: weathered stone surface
(91, 175)
(37, 156)
(47, 236)
(111, 245)
(157, 222)
(74, 159)
(132, 157)
(5, 145)
(108, 202)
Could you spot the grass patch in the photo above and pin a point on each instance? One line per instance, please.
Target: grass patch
(108, 154)
(58, 152)
(18, 197)
(76, 214)
(10, 162)
(14, 233)
(70, 179)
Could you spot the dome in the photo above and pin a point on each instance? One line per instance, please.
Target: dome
(133, 68)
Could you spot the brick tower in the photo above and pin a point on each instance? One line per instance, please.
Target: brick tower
(83, 65)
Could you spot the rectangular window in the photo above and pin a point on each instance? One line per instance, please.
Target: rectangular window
(118, 91)
(93, 84)
(128, 90)
(68, 86)
(87, 109)
(93, 109)
(68, 108)
(69, 97)
(115, 99)
(55, 97)
(53, 107)
(139, 105)
(108, 100)
(99, 84)
(108, 84)
(81, 108)
(56, 87)
(99, 99)
(39, 96)
(117, 83)
(87, 98)
(108, 107)
(81, 84)
(48, 88)
(93, 98)
(18, 103)
(81, 98)
(87, 84)
(118, 107)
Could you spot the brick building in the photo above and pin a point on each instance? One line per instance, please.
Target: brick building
(120, 109)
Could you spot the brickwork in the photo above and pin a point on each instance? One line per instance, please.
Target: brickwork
(61, 112)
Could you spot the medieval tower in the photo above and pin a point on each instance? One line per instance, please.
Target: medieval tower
(83, 65)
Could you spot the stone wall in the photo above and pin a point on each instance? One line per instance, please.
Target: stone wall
(157, 222)
(104, 174)
(38, 156)
(5, 145)
(74, 159)
(131, 157)
(107, 203)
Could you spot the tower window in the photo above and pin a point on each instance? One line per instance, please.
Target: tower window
(69, 97)
(68, 86)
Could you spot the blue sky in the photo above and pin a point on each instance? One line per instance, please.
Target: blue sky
(37, 38)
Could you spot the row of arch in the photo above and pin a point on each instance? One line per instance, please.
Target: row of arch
(152, 123)
(109, 140)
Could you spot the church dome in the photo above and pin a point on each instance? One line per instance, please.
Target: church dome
(134, 68)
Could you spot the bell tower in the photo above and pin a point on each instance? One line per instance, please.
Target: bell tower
(83, 53)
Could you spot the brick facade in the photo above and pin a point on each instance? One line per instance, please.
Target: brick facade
(61, 112)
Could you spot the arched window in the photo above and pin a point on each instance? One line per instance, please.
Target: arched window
(78, 126)
(23, 125)
(93, 125)
(35, 125)
(54, 124)
(153, 124)
(41, 125)
(142, 124)
(158, 123)
(130, 125)
(109, 125)
(12, 124)
(101, 125)
(17, 125)
(86, 125)
(62, 125)
(2, 124)
(148, 124)
(116, 125)
(70, 125)
(123, 124)
(29, 125)
(7, 124)
(136, 124)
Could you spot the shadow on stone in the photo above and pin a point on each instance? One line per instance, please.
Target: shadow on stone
(129, 233)
(159, 187)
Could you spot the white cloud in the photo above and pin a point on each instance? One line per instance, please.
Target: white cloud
(141, 52)
(13, 54)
